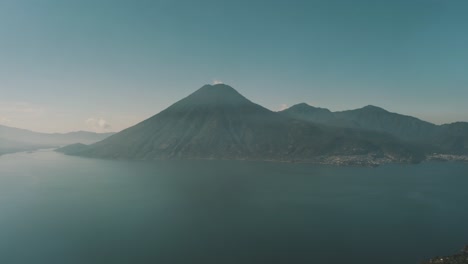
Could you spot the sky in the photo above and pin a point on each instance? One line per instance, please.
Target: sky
(104, 65)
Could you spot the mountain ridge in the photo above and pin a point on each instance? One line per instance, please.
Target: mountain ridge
(18, 139)
(448, 138)
(217, 122)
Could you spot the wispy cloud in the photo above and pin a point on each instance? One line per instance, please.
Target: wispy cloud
(98, 124)
(215, 81)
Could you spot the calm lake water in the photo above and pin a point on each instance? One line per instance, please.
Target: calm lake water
(60, 209)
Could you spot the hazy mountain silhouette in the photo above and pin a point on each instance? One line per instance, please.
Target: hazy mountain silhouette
(217, 122)
(15, 139)
(450, 138)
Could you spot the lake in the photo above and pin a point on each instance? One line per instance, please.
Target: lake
(61, 209)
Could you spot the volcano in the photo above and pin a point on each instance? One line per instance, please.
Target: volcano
(217, 122)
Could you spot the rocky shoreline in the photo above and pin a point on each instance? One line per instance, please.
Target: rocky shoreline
(460, 258)
(447, 157)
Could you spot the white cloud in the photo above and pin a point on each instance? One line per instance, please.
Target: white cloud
(215, 81)
(282, 107)
(98, 124)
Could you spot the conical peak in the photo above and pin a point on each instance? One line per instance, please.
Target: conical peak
(217, 88)
(216, 94)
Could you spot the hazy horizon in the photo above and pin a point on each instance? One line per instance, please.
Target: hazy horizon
(101, 126)
(104, 66)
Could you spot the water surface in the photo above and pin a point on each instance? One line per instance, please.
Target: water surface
(61, 209)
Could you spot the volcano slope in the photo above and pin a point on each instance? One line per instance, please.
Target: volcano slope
(216, 122)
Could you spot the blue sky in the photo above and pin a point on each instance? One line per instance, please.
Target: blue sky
(107, 64)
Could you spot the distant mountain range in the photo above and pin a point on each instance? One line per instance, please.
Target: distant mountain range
(216, 122)
(448, 138)
(15, 139)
